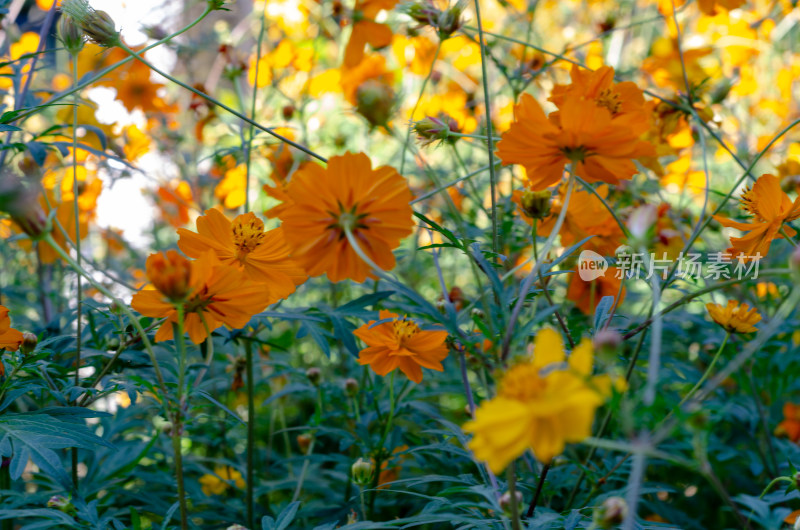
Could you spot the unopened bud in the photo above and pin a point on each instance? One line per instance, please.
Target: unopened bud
(430, 129)
(641, 222)
(351, 387)
(100, 29)
(607, 343)
(449, 21)
(288, 112)
(29, 342)
(505, 501)
(314, 375)
(304, 442)
(70, 34)
(536, 204)
(236, 527)
(375, 101)
(611, 513)
(61, 503)
(363, 472)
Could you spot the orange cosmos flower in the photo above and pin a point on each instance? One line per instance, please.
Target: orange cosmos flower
(771, 208)
(366, 30)
(790, 426)
(243, 243)
(374, 203)
(401, 344)
(10, 338)
(734, 317)
(622, 100)
(583, 133)
(174, 201)
(212, 294)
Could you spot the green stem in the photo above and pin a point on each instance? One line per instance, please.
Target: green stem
(707, 373)
(76, 212)
(416, 106)
(251, 432)
(251, 131)
(489, 131)
(223, 106)
(177, 422)
(379, 451)
(512, 492)
(774, 482)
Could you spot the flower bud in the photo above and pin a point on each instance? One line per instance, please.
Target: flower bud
(236, 527)
(61, 503)
(363, 471)
(170, 273)
(375, 101)
(505, 501)
(641, 222)
(29, 342)
(314, 375)
(304, 442)
(351, 387)
(288, 112)
(611, 513)
(430, 129)
(536, 204)
(449, 21)
(100, 29)
(70, 34)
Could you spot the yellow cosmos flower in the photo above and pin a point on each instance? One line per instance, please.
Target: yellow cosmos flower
(541, 404)
(734, 318)
(220, 481)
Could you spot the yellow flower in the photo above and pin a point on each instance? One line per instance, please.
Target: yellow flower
(220, 481)
(734, 318)
(541, 404)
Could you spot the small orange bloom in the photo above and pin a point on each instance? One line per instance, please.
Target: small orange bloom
(771, 208)
(217, 295)
(170, 273)
(243, 243)
(734, 318)
(622, 100)
(366, 30)
(174, 201)
(10, 338)
(401, 344)
(583, 132)
(373, 203)
(790, 426)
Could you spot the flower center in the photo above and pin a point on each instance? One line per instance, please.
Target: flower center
(248, 234)
(748, 202)
(347, 220)
(404, 329)
(522, 382)
(609, 100)
(575, 154)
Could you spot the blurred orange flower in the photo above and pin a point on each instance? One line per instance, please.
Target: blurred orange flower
(10, 338)
(401, 344)
(770, 208)
(584, 133)
(366, 30)
(243, 243)
(373, 203)
(790, 426)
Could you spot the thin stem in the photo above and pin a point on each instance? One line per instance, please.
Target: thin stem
(223, 106)
(512, 492)
(251, 432)
(416, 105)
(546, 293)
(177, 422)
(251, 133)
(489, 132)
(539, 487)
(707, 373)
(76, 212)
(379, 452)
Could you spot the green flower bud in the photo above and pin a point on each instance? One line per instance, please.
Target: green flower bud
(70, 34)
(363, 472)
